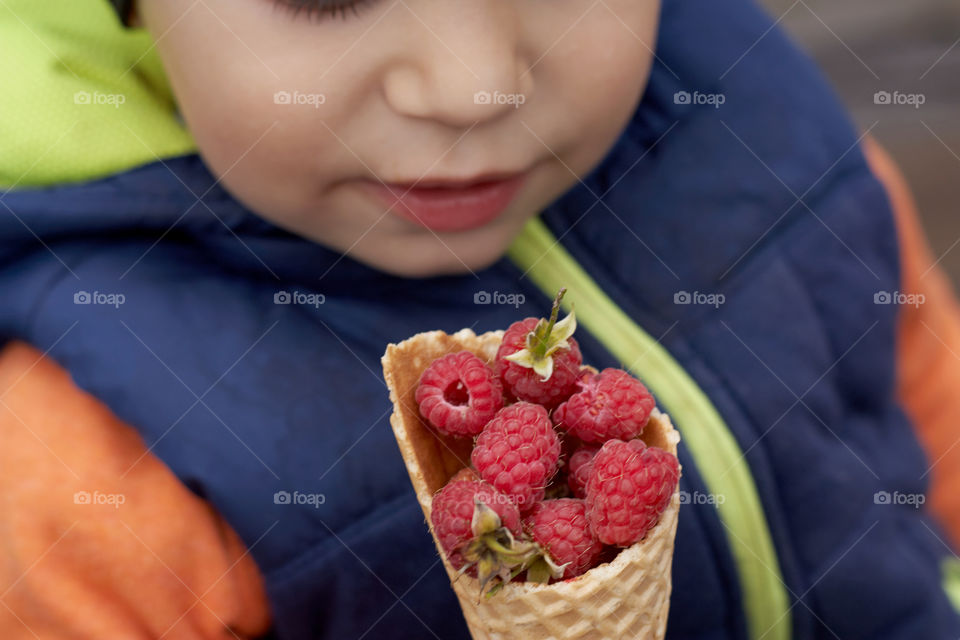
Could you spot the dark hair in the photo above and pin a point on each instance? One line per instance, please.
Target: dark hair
(124, 9)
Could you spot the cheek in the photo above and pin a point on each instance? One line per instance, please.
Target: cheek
(264, 113)
(610, 56)
(222, 98)
(596, 75)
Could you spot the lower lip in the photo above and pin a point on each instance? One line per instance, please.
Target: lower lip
(450, 209)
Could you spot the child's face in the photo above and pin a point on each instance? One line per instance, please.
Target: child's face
(305, 120)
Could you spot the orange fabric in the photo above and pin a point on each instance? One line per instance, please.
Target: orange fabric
(928, 348)
(142, 558)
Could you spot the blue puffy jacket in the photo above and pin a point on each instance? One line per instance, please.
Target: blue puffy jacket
(782, 386)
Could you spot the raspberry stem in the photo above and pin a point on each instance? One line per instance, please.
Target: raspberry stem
(548, 337)
(538, 341)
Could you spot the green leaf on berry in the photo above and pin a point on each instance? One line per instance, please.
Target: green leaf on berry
(547, 338)
(494, 551)
(485, 520)
(543, 568)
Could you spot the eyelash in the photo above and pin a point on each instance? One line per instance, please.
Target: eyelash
(321, 9)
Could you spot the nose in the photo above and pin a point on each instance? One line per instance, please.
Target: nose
(461, 63)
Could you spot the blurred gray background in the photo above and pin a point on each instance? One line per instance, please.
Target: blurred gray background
(910, 46)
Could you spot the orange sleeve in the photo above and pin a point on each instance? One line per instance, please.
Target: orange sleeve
(99, 539)
(928, 348)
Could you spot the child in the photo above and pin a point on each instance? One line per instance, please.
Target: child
(194, 422)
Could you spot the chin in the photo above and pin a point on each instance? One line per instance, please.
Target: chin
(427, 266)
(447, 254)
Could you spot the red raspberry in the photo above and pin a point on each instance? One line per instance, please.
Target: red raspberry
(611, 404)
(518, 452)
(630, 487)
(579, 469)
(452, 516)
(561, 528)
(526, 384)
(459, 394)
(538, 359)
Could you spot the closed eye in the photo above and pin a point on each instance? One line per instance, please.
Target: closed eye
(319, 9)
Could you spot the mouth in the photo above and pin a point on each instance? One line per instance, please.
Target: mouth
(450, 204)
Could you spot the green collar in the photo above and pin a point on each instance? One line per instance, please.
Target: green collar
(83, 97)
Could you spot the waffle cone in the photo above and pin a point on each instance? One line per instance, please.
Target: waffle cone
(626, 598)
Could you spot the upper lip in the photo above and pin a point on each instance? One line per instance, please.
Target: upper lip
(454, 182)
